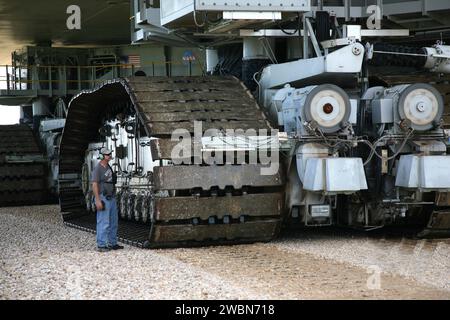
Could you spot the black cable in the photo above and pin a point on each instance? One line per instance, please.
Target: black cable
(213, 21)
(287, 32)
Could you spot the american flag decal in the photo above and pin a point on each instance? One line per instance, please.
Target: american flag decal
(134, 60)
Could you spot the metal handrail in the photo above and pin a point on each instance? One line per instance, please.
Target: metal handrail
(16, 81)
(125, 65)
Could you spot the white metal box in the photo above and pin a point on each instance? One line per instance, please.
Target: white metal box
(172, 10)
(335, 175)
(424, 172)
(354, 113)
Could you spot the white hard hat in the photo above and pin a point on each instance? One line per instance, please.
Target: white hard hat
(105, 151)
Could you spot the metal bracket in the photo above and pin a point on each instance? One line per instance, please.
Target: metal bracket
(314, 41)
(338, 42)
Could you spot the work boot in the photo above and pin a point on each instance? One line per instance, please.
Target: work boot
(115, 247)
(103, 249)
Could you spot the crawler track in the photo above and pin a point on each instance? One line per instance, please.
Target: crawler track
(22, 174)
(235, 204)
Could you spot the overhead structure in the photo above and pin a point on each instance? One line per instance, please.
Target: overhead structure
(44, 23)
(199, 21)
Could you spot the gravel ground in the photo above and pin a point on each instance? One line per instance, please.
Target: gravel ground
(425, 261)
(42, 259)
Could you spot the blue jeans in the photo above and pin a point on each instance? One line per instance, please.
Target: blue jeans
(107, 223)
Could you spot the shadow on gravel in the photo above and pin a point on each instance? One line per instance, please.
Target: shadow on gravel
(391, 233)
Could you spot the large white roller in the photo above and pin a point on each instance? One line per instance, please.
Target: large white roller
(328, 106)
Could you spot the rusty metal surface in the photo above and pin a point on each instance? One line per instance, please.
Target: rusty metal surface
(255, 231)
(257, 205)
(164, 129)
(440, 220)
(438, 225)
(176, 106)
(205, 177)
(180, 79)
(188, 83)
(203, 116)
(443, 199)
(161, 149)
(167, 105)
(180, 95)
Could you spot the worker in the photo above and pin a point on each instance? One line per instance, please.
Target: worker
(103, 186)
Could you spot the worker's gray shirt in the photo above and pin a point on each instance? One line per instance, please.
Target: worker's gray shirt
(104, 177)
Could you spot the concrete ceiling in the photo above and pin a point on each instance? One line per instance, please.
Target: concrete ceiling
(31, 22)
